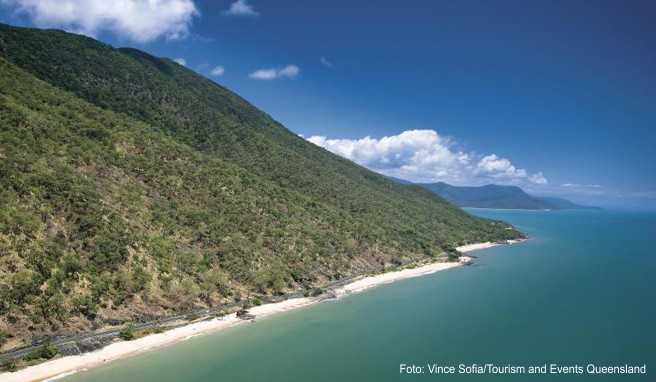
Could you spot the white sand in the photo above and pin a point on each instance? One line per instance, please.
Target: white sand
(475, 247)
(389, 277)
(61, 367)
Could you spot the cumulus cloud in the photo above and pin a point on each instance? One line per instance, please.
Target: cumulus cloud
(426, 156)
(138, 20)
(496, 167)
(241, 8)
(218, 71)
(420, 155)
(289, 71)
(180, 61)
(538, 178)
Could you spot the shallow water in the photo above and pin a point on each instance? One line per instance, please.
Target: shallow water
(580, 291)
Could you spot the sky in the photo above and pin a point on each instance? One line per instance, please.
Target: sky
(557, 97)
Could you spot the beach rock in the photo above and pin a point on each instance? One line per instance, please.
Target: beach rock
(69, 348)
(466, 260)
(91, 344)
(329, 295)
(245, 315)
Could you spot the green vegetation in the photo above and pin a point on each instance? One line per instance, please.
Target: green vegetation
(44, 352)
(3, 337)
(316, 292)
(9, 366)
(127, 334)
(147, 332)
(451, 257)
(132, 187)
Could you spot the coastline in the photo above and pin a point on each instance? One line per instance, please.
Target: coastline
(64, 366)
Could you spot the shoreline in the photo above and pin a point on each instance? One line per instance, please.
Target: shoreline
(65, 366)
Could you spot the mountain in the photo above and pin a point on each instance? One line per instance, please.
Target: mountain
(563, 204)
(133, 188)
(495, 196)
(399, 180)
(489, 196)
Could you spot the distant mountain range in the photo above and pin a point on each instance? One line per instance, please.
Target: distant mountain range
(496, 196)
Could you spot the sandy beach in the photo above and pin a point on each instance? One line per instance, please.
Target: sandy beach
(61, 367)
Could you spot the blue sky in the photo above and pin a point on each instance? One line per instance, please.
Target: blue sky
(555, 96)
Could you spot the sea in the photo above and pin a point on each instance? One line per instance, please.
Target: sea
(576, 302)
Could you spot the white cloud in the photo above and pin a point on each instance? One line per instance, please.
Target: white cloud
(538, 178)
(218, 71)
(575, 185)
(425, 156)
(180, 61)
(264, 74)
(581, 189)
(138, 20)
(289, 71)
(241, 8)
(325, 62)
(496, 167)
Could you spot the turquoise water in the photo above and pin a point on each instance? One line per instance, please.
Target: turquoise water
(580, 291)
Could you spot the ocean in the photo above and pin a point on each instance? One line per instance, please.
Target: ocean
(575, 298)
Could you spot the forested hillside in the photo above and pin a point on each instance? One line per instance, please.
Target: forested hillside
(132, 187)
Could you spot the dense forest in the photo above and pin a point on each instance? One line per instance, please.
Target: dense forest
(133, 187)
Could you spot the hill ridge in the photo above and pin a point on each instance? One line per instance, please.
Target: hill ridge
(135, 191)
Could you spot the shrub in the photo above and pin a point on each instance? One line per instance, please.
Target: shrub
(3, 337)
(452, 258)
(9, 366)
(45, 351)
(127, 334)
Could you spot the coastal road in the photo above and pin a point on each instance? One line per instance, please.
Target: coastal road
(70, 344)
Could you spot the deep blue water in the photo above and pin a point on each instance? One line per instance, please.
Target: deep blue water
(580, 291)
